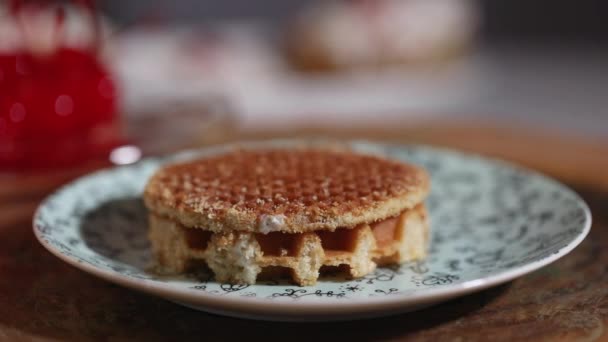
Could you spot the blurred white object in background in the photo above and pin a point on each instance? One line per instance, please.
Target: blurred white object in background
(557, 86)
(239, 63)
(40, 27)
(375, 33)
(157, 66)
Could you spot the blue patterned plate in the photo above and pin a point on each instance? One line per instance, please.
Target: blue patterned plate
(490, 222)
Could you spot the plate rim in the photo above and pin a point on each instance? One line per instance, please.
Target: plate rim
(327, 305)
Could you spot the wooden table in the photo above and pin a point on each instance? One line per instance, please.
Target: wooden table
(42, 298)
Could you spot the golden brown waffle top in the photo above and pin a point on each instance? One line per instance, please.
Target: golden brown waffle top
(293, 190)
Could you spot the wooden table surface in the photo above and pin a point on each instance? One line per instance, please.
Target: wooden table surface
(42, 298)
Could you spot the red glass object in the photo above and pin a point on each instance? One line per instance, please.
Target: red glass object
(57, 109)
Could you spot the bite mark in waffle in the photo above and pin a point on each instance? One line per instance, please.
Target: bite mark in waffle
(248, 215)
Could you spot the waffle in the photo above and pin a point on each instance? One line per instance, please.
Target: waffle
(244, 257)
(253, 214)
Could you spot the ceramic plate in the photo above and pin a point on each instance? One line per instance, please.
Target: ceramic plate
(491, 222)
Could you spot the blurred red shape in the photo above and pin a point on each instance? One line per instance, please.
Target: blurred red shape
(57, 109)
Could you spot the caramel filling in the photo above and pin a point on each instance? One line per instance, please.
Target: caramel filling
(277, 243)
(334, 270)
(339, 240)
(197, 238)
(275, 272)
(283, 244)
(384, 231)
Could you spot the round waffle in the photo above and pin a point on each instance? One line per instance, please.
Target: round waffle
(292, 191)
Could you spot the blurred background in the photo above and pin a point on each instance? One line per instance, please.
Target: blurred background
(541, 62)
(173, 74)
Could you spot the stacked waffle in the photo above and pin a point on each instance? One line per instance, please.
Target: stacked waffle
(252, 214)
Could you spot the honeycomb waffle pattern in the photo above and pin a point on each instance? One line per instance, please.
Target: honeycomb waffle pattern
(243, 257)
(293, 191)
